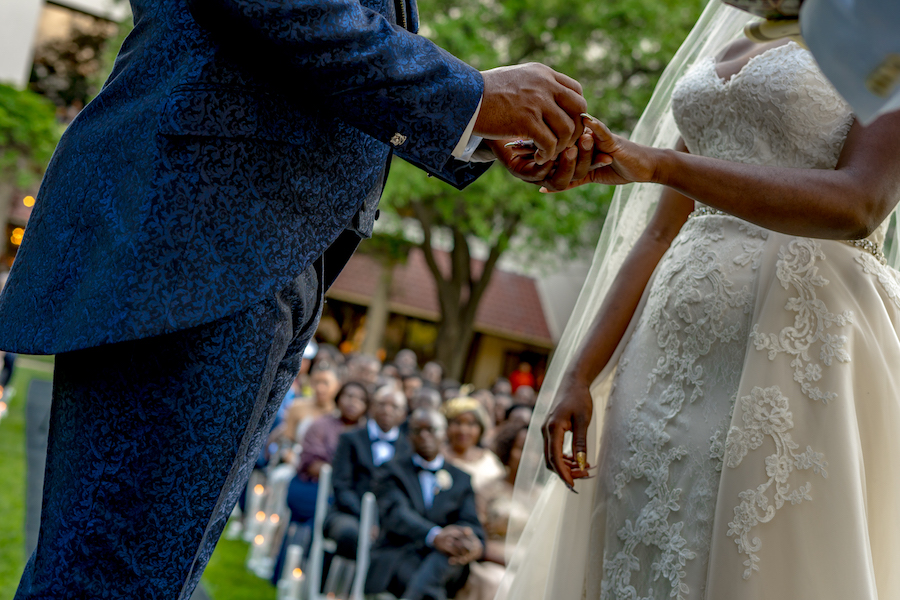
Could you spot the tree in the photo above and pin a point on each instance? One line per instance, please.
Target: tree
(28, 134)
(617, 50)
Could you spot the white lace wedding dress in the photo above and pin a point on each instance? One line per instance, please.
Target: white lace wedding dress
(751, 443)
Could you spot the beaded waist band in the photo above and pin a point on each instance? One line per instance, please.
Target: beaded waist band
(865, 245)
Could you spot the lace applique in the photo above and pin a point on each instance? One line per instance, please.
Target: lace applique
(688, 316)
(766, 414)
(758, 117)
(797, 267)
(887, 277)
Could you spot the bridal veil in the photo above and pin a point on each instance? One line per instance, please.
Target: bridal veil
(548, 557)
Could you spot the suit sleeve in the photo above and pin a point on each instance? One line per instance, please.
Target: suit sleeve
(350, 61)
(396, 512)
(345, 497)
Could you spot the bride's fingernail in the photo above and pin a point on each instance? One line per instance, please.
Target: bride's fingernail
(589, 117)
(543, 190)
(571, 487)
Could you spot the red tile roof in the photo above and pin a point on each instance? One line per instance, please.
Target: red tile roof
(510, 307)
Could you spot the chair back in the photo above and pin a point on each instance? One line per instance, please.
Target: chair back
(316, 550)
(368, 519)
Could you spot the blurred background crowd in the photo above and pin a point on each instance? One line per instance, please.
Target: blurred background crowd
(352, 413)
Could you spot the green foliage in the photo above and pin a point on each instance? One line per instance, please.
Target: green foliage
(617, 50)
(28, 134)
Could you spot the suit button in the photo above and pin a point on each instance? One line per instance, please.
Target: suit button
(377, 213)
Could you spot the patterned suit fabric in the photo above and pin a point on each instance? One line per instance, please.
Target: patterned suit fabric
(234, 141)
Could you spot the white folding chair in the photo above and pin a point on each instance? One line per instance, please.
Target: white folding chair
(368, 519)
(316, 549)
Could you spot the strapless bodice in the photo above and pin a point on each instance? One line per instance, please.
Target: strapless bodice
(778, 110)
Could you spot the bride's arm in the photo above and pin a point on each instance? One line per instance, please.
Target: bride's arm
(573, 406)
(848, 202)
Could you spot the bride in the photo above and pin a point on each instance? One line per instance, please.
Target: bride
(733, 371)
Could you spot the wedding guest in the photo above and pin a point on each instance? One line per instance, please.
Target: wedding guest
(433, 373)
(364, 368)
(496, 509)
(325, 381)
(502, 403)
(521, 376)
(427, 397)
(467, 421)
(502, 386)
(429, 525)
(358, 454)
(407, 361)
(412, 383)
(319, 446)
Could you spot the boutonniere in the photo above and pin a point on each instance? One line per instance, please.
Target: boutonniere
(443, 479)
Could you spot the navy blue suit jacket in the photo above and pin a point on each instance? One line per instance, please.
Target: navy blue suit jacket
(234, 142)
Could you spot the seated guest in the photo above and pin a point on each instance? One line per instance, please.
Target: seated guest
(319, 446)
(433, 373)
(426, 396)
(467, 422)
(325, 381)
(429, 524)
(411, 384)
(407, 362)
(497, 509)
(357, 456)
(364, 368)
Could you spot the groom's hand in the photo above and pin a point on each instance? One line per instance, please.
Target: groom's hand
(532, 101)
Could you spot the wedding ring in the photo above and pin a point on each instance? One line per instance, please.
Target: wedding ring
(581, 459)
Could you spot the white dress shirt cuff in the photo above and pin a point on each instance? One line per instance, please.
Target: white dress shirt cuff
(468, 143)
(432, 533)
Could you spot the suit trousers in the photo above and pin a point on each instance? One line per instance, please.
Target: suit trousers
(151, 442)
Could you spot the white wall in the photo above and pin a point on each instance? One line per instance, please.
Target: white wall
(18, 28)
(114, 10)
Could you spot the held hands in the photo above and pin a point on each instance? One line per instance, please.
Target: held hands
(459, 543)
(531, 101)
(600, 156)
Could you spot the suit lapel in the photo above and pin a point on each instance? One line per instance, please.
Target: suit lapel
(364, 448)
(410, 478)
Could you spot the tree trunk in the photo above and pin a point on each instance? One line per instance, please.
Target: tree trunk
(459, 292)
(378, 311)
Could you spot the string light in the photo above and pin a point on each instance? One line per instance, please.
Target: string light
(28, 201)
(258, 540)
(17, 234)
(274, 518)
(297, 573)
(260, 516)
(259, 489)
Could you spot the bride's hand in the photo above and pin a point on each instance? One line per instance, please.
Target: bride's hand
(631, 162)
(573, 413)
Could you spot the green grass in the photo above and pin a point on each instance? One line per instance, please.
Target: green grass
(225, 578)
(12, 498)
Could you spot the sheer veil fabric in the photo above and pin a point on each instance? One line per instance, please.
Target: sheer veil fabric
(549, 557)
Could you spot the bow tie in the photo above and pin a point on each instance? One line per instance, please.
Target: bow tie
(428, 469)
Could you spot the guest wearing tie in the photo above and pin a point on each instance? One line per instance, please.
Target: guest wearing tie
(429, 525)
(359, 453)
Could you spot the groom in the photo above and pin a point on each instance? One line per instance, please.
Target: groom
(184, 235)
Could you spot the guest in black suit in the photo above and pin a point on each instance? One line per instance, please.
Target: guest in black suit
(358, 454)
(429, 525)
